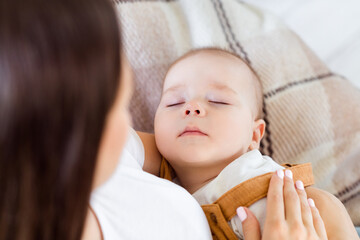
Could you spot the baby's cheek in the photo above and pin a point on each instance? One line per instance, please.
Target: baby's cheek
(165, 148)
(236, 138)
(163, 136)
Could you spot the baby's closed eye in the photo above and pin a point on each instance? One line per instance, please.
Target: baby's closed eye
(174, 104)
(218, 102)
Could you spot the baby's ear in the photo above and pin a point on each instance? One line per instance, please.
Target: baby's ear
(258, 133)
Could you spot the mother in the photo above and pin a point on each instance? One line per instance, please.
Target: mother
(64, 90)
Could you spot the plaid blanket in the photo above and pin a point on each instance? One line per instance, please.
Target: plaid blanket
(312, 114)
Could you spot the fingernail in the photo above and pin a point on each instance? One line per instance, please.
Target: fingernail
(311, 202)
(288, 173)
(241, 213)
(280, 173)
(299, 185)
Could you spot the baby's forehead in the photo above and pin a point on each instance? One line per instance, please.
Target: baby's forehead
(209, 53)
(209, 64)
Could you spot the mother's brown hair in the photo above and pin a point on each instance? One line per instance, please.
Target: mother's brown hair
(59, 75)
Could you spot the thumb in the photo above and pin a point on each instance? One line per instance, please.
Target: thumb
(250, 224)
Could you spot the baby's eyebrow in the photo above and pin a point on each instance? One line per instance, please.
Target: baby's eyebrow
(220, 86)
(174, 88)
(217, 86)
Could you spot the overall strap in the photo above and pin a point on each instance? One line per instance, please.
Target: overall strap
(166, 171)
(246, 193)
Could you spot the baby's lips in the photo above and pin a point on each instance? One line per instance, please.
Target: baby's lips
(199, 133)
(192, 129)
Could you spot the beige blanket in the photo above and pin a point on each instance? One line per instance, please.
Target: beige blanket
(312, 114)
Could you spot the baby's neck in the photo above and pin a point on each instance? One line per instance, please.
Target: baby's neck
(192, 178)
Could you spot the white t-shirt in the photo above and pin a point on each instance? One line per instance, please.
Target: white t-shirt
(134, 204)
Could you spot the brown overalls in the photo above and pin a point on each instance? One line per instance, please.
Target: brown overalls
(224, 209)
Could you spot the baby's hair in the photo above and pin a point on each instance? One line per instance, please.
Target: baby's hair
(257, 83)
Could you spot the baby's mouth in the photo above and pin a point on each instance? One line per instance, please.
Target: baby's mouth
(192, 131)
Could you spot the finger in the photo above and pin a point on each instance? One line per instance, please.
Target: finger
(305, 208)
(291, 199)
(275, 200)
(250, 224)
(317, 220)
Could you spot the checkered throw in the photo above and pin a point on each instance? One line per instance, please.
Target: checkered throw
(312, 114)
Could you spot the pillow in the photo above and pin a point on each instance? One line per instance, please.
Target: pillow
(312, 114)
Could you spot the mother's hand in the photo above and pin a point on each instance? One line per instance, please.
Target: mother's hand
(289, 214)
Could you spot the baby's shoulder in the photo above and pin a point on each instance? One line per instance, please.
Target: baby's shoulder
(152, 159)
(336, 219)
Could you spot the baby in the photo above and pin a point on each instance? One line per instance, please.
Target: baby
(209, 125)
(209, 122)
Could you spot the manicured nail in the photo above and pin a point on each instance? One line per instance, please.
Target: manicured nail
(288, 173)
(299, 185)
(280, 173)
(311, 202)
(241, 213)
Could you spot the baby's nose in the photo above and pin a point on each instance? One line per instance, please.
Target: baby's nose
(193, 108)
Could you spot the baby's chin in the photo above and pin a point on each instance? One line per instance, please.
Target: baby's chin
(191, 159)
(189, 142)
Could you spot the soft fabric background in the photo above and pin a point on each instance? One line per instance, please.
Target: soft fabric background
(329, 27)
(312, 113)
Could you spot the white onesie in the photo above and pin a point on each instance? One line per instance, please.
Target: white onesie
(249, 165)
(134, 204)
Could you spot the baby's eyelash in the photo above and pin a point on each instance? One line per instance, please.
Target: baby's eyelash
(217, 102)
(174, 104)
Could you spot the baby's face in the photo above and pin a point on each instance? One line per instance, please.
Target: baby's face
(207, 111)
